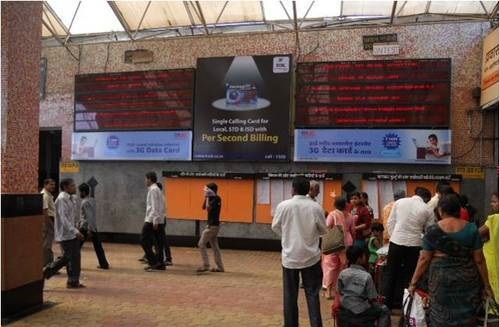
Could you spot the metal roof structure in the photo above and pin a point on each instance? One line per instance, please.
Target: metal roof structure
(67, 22)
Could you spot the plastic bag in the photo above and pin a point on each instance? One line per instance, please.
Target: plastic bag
(491, 318)
(414, 312)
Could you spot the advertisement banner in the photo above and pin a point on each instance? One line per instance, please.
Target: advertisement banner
(412, 146)
(170, 145)
(490, 70)
(242, 107)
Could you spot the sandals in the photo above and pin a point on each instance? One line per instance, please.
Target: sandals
(75, 285)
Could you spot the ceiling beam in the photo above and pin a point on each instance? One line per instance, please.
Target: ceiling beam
(484, 9)
(401, 8)
(263, 12)
(47, 26)
(306, 13)
(285, 10)
(120, 18)
(494, 11)
(142, 19)
(297, 34)
(56, 17)
(282, 26)
(427, 9)
(295, 16)
(189, 13)
(201, 17)
(71, 24)
(49, 20)
(219, 16)
(394, 8)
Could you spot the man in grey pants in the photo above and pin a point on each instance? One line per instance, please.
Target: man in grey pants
(212, 203)
(48, 226)
(68, 235)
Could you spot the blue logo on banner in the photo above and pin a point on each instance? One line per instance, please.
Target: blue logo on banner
(391, 141)
(113, 142)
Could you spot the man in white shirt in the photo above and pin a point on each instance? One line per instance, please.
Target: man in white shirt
(407, 222)
(48, 225)
(155, 214)
(68, 235)
(300, 222)
(88, 224)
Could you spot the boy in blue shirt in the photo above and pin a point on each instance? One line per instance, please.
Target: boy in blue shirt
(360, 303)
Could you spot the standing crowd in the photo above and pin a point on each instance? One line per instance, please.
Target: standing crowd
(434, 243)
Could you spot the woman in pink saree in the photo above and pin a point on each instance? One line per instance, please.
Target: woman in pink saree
(333, 264)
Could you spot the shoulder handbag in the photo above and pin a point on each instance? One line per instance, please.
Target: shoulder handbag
(334, 240)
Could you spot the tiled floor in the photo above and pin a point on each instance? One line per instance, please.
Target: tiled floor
(248, 294)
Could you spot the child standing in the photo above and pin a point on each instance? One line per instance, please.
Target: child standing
(375, 242)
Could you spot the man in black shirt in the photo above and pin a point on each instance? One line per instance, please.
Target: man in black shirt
(212, 203)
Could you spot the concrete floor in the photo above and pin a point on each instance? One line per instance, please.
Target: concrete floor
(249, 293)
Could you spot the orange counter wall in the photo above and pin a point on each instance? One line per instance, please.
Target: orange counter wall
(184, 198)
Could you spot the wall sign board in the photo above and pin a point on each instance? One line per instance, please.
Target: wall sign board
(242, 108)
(414, 146)
(378, 93)
(148, 100)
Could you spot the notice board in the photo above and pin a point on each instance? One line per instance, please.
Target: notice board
(144, 100)
(377, 93)
(242, 108)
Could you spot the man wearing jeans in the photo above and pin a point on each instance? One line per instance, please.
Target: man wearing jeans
(212, 204)
(300, 222)
(68, 235)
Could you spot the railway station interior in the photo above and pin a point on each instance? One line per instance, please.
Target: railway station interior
(249, 163)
